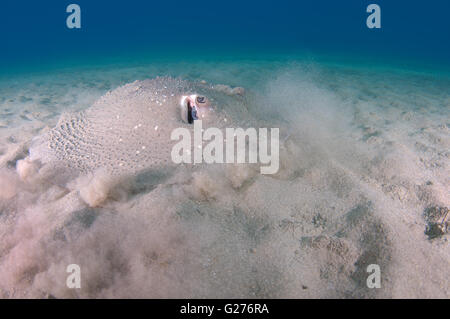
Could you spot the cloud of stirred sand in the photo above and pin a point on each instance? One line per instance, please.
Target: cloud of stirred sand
(343, 198)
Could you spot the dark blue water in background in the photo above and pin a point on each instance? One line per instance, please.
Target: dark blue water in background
(34, 33)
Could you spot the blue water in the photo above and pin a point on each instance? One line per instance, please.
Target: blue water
(34, 34)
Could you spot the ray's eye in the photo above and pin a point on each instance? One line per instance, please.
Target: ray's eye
(201, 99)
(189, 108)
(191, 113)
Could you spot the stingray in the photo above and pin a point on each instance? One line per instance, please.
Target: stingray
(128, 129)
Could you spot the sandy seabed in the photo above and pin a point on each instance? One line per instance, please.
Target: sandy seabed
(364, 179)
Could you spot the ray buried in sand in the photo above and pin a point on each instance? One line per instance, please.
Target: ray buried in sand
(213, 152)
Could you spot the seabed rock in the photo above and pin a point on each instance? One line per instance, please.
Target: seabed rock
(437, 219)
